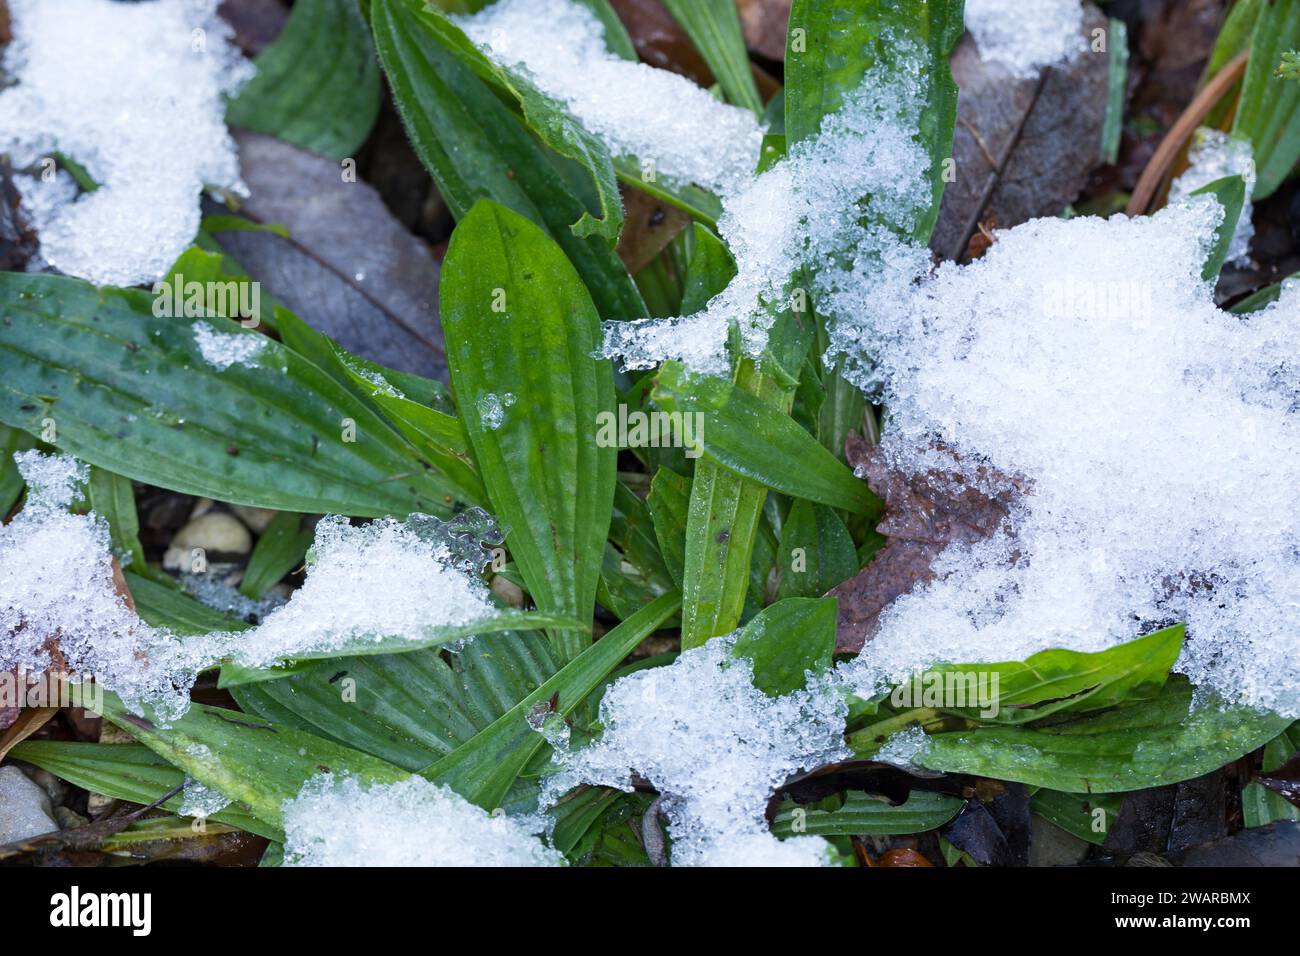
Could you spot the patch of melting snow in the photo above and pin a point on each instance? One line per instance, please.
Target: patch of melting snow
(636, 110)
(1158, 436)
(796, 215)
(200, 800)
(339, 821)
(1026, 35)
(224, 349)
(386, 579)
(134, 93)
(716, 748)
(903, 748)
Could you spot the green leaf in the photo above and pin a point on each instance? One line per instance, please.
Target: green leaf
(1088, 816)
(714, 28)
(1058, 680)
(1116, 89)
(633, 573)
(757, 440)
(726, 503)
(546, 117)
(1231, 195)
(817, 551)
(234, 674)
(1144, 744)
(483, 769)
(864, 815)
(280, 548)
(831, 46)
(721, 520)
(1262, 298)
(11, 482)
(408, 709)
(254, 762)
(1261, 806)
(317, 85)
(788, 639)
(132, 393)
(517, 320)
(129, 772)
(1268, 111)
(475, 147)
(113, 499)
(669, 502)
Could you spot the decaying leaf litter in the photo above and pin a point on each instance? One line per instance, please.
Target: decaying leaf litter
(1106, 493)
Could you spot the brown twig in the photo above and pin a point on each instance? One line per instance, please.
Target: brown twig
(1181, 132)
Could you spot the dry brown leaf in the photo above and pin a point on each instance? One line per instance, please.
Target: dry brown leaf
(764, 23)
(649, 224)
(923, 515)
(1023, 147)
(26, 722)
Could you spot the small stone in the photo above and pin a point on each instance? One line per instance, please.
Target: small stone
(24, 807)
(1052, 846)
(216, 532)
(507, 591)
(255, 518)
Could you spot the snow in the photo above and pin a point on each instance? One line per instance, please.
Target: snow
(807, 210)
(492, 408)
(386, 579)
(903, 748)
(134, 92)
(224, 349)
(1213, 155)
(200, 800)
(634, 109)
(56, 584)
(1157, 435)
(337, 821)
(715, 747)
(1026, 35)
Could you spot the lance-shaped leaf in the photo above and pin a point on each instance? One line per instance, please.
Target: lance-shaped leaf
(249, 760)
(1268, 112)
(409, 709)
(475, 147)
(483, 769)
(131, 392)
(830, 47)
(759, 441)
(714, 28)
(862, 814)
(1230, 192)
(521, 331)
(317, 85)
(1145, 744)
(129, 772)
(234, 673)
(546, 117)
